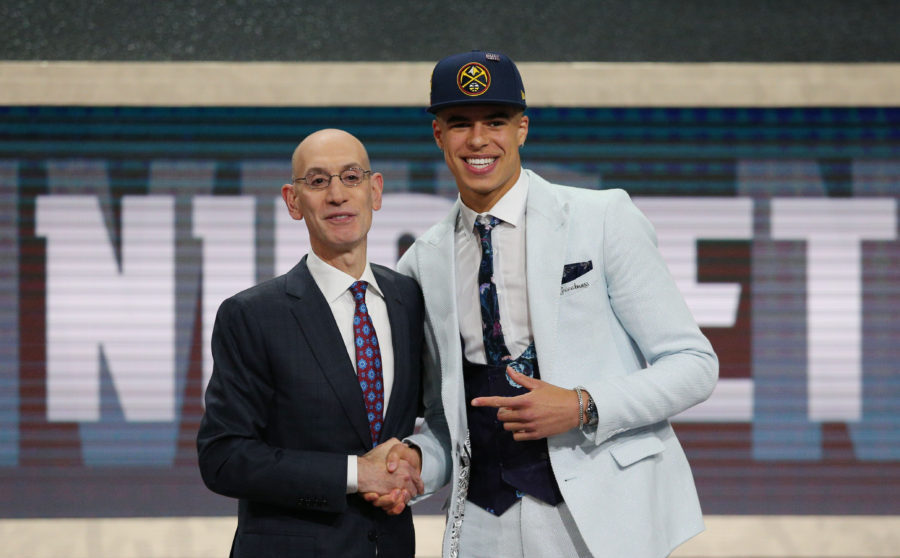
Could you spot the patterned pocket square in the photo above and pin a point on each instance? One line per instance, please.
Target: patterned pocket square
(575, 270)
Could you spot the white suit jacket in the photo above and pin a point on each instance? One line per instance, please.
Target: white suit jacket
(621, 330)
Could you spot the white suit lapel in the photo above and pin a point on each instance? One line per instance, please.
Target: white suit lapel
(546, 238)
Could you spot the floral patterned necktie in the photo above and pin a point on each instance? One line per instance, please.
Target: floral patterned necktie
(494, 346)
(368, 361)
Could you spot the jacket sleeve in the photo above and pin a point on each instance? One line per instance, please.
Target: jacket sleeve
(681, 367)
(433, 437)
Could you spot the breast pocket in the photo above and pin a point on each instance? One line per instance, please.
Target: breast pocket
(580, 285)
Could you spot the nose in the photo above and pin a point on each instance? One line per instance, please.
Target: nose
(477, 138)
(336, 192)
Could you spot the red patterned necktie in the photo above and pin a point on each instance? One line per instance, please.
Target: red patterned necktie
(368, 360)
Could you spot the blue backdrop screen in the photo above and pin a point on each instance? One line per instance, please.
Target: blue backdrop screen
(123, 228)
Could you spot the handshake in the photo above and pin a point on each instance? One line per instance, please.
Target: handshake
(389, 475)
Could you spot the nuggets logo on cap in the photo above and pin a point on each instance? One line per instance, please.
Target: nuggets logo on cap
(473, 79)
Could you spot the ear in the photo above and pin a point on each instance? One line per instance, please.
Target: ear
(436, 128)
(289, 195)
(522, 132)
(377, 189)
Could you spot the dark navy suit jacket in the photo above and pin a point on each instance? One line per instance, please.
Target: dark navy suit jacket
(284, 410)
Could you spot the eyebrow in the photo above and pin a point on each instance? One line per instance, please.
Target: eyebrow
(492, 116)
(343, 168)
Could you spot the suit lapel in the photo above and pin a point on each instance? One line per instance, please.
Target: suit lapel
(398, 318)
(316, 323)
(545, 250)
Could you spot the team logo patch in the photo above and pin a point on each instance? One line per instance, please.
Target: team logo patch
(473, 79)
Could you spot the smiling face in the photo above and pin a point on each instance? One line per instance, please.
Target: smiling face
(337, 217)
(481, 148)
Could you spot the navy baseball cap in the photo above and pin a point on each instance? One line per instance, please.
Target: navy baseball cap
(476, 77)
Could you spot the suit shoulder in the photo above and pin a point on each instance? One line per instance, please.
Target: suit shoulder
(390, 273)
(610, 196)
(261, 292)
(593, 206)
(438, 231)
(434, 236)
(565, 193)
(403, 282)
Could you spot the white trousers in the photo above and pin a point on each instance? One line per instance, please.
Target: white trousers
(529, 529)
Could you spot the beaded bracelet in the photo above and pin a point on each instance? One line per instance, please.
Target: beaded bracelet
(580, 406)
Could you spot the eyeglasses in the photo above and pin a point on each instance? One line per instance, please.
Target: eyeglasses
(351, 178)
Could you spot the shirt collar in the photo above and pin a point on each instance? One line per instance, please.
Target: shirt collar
(333, 282)
(509, 209)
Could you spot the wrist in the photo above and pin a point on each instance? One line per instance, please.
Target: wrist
(360, 474)
(418, 451)
(587, 410)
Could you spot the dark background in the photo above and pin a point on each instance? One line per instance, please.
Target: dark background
(543, 30)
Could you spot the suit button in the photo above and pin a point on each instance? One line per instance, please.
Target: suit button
(373, 536)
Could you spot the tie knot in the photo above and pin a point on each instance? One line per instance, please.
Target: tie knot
(484, 224)
(358, 288)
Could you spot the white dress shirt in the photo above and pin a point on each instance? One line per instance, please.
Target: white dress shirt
(508, 241)
(335, 286)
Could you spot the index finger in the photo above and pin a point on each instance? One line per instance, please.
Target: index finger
(495, 401)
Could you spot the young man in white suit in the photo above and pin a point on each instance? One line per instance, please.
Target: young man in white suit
(576, 456)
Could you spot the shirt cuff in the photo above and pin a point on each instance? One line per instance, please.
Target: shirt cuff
(352, 480)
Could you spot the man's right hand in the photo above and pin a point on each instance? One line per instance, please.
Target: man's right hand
(388, 476)
(399, 460)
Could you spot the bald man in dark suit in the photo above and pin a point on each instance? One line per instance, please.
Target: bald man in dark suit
(316, 375)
